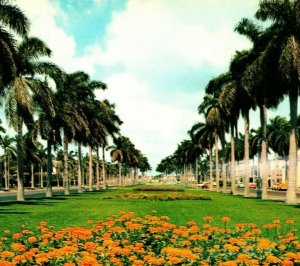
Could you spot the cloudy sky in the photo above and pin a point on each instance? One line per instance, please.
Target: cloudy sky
(156, 56)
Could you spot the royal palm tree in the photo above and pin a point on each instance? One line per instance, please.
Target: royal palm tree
(120, 152)
(285, 48)
(12, 20)
(9, 149)
(21, 92)
(260, 79)
(245, 102)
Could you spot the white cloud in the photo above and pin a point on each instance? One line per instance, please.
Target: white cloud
(152, 42)
(152, 34)
(155, 128)
(42, 15)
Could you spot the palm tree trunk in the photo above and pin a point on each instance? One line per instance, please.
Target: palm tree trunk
(196, 170)
(66, 166)
(104, 179)
(217, 163)
(6, 185)
(90, 169)
(41, 174)
(224, 175)
(20, 174)
(120, 174)
(210, 168)
(247, 169)
(49, 170)
(97, 169)
(80, 174)
(291, 196)
(32, 175)
(232, 165)
(264, 158)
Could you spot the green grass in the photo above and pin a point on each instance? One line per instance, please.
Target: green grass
(76, 209)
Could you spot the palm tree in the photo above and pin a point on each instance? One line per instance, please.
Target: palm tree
(21, 92)
(9, 152)
(74, 95)
(120, 153)
(245, 102)
(278, 138)
(204, 135)
(285, 48)
(260, 79)
(11, 19)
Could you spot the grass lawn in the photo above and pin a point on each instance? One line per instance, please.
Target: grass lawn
(77, 209)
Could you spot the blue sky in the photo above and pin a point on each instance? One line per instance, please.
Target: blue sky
(156, 57)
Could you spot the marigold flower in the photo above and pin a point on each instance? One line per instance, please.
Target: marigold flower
(69, 264)
(17, 235)
(208, 218)
(19, 259)
(225, 219)
(289, 221)
(32, 239)
(276, 221)
(18, 247)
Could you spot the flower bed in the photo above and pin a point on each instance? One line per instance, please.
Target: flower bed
(160, 197)
(152, 188)
(126, 239)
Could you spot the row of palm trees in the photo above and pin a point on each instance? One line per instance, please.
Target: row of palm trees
(53, 105)
(258, 78)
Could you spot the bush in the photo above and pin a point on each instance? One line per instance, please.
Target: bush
(152, 188)
(160, 196)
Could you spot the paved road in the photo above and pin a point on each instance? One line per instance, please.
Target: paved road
(30, 194)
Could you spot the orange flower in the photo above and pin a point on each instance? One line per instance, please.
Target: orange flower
(19, 259)
(7, 254)
(90, 245)
(208, 218)
(225, 219)
(69, 264)
(290, 221)
(18, 247)
(32, 239)
(17, 235)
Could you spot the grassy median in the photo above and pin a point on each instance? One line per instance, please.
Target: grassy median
(77, 209)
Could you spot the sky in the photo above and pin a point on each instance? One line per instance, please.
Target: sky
(156, 56)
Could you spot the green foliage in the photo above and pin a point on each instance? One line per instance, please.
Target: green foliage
(159, 196)
(152, 188)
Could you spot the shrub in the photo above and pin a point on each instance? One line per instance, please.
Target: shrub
(152, 188)
(160, 196)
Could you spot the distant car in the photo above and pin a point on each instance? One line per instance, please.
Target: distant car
(252, 185)
(203, 185)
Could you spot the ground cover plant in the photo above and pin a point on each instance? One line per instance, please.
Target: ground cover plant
(128, 239)
(159, 196)
(76, 209)
(158, 188)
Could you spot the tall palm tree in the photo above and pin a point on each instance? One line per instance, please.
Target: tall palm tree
(260, 79)
(20, 95)
(285, 48)
(120, 153)
(74, 95)
(245, 102)
(7, 144)
(12, 20)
